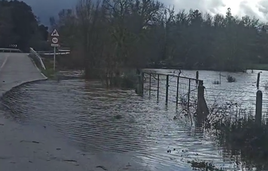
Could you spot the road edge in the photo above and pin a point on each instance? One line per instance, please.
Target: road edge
(23, 82)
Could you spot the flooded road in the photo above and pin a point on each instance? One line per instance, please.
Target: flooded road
(117, 124)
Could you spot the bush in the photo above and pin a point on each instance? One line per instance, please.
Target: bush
(216, 82)
(201, 165)
(231, 79)
(128, 80)
(244, 138)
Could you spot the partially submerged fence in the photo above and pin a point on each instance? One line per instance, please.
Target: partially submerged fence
(188, 95)
(237, 100)
(184, 93)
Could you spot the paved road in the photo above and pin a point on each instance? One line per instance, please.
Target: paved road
(16, 69)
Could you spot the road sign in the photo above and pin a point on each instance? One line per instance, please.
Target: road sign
(55, 40)
(55, 33)
(55, 45)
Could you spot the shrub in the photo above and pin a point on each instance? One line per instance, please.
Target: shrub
(244, 138)
(216, 82)
(231, 79)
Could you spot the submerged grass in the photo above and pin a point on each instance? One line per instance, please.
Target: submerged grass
(248, 139)
(245, 139)
(259, 67)
(203, 166)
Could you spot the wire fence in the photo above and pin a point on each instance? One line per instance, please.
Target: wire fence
(181, 94)
(171, 90)
(239, 102)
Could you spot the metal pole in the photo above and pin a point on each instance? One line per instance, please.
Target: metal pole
(258, 80)
(258, 115)
(197, 77)
(150, 84)
(167, 85)
(158, 88)
(142, 83)
(54, 58)
(177, 93)
(220, 77)
(188, 105)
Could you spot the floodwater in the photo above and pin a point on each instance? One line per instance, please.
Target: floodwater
(242, 91)
(118, 122)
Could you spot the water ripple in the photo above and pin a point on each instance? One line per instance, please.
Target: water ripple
(112, 121)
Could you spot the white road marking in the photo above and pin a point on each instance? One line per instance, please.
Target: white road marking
(3, 64)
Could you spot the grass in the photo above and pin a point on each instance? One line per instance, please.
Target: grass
(49, 73)
(203, 166)
(245, 139)
(235, 129)
(259, 67)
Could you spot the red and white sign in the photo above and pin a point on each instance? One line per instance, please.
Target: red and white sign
(54, 38)
(55, 33)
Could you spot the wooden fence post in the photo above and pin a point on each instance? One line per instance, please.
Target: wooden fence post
(258, 114)
(202, 108)
(167, 85)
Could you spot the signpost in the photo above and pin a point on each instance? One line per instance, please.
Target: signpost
(55, 43)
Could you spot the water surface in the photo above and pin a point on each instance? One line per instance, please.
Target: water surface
(119, 122)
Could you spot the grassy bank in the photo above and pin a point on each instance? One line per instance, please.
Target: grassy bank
(258, 67)
(49, 73)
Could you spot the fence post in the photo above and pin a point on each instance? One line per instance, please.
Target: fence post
(142, 83)
(189, 91)
(138, 86)
(157, 96)
(258, 80)
(150, 84)
(197, 77)
(177, 92)
(202, 108)
(258, 115)
(167, 85)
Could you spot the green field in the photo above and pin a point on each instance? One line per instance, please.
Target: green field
(258, 67)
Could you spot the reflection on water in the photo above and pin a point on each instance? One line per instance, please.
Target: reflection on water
(114, 121)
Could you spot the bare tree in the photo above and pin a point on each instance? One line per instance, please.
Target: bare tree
(88, 14)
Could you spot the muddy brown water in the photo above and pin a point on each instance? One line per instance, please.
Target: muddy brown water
(117, 122)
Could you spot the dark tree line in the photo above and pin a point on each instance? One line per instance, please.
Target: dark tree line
(115, 34)
(19, 26)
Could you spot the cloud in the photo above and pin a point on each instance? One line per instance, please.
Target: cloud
(262, 7)
(258, 8)
(211, 6)
(246, 9)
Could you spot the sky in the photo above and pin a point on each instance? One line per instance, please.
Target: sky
(258, 8)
